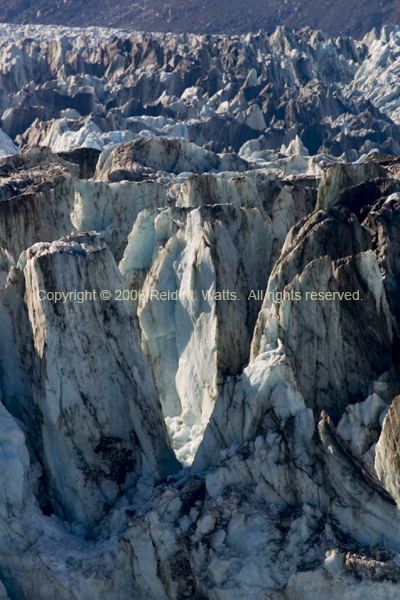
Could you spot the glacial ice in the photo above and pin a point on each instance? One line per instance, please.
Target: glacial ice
(7, 147)
(282, 411)
(378, 76)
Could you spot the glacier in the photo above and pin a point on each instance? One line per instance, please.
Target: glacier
(199, 283)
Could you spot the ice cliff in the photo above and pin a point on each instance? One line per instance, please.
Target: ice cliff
(200, 343)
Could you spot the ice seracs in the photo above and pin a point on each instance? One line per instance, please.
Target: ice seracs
(303, 86)
(361, 425)
(201, 332)
(237, 200)
(114, 444)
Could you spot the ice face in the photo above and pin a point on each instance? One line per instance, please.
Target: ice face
(220, 185)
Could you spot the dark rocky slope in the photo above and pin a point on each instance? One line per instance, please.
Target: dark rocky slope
(353, 18)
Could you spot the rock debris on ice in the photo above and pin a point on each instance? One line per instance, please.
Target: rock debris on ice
(212, 429)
